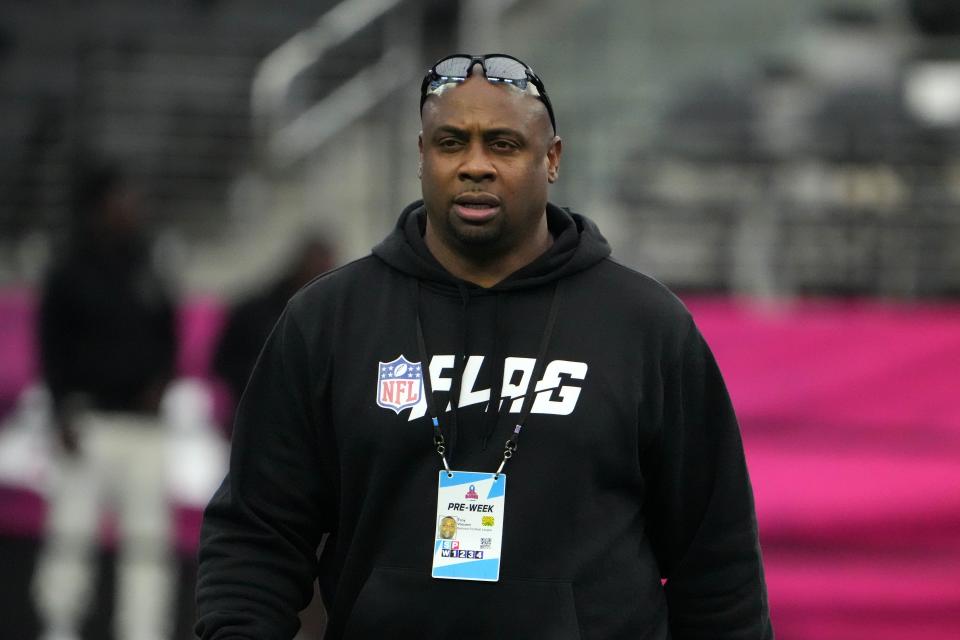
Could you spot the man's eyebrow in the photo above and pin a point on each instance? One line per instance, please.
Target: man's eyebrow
(501, 132)
(449, 129)
(488, 134)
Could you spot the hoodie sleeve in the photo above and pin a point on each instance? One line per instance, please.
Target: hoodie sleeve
(700, 506)
(257, 556)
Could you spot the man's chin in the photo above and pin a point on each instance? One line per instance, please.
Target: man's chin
(482, 235)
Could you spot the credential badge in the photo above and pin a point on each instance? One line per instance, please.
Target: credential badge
(399, 384)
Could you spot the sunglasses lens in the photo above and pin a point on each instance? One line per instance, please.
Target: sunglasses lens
(506, 68)
(457, 67)
(499, 68)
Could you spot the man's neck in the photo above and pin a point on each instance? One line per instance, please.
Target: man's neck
(486, 272)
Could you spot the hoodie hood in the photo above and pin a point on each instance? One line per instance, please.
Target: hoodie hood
(577, 245)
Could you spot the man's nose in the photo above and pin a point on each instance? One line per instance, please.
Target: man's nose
(476, 165)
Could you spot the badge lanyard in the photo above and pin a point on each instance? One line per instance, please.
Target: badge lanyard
(469, 535)
(530, 394)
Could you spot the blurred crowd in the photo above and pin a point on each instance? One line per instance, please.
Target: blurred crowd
(108, 397)
(832, 170)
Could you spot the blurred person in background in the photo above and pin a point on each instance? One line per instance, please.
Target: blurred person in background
(250, 320)
(107, 347)
(526, 316)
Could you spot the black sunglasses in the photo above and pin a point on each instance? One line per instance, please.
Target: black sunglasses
(497, 67)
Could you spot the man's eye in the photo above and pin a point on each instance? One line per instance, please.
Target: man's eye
(503, 145)
(450, 143)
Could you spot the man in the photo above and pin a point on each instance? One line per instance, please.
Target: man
(108, 344)
(250, 320)
(448, 527)
(393, 383)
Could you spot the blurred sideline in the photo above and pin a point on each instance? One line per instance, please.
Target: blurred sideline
(851, 434)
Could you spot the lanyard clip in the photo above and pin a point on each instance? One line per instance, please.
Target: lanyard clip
(441, 451)
(508, 450)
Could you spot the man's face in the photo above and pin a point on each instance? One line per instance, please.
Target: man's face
(448, 528)
(488, 153)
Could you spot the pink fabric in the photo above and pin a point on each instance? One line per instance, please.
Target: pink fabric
(851, 423)
(880, 366)
(199, 324)
(17, 361)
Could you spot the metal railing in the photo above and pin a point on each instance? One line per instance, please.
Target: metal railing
(285, 143)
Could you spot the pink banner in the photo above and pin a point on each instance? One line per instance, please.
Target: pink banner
(851, 423)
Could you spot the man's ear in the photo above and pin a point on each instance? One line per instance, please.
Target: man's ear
(553, 159)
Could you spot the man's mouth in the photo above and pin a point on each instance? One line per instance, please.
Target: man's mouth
(476, 207)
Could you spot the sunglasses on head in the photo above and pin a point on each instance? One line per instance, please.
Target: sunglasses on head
(498, 68)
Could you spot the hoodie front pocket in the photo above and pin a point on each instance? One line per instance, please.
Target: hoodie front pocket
(405, 603)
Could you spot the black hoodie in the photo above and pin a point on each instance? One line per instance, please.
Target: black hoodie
(630, 468)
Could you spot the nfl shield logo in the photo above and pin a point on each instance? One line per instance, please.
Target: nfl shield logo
(399, 384)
